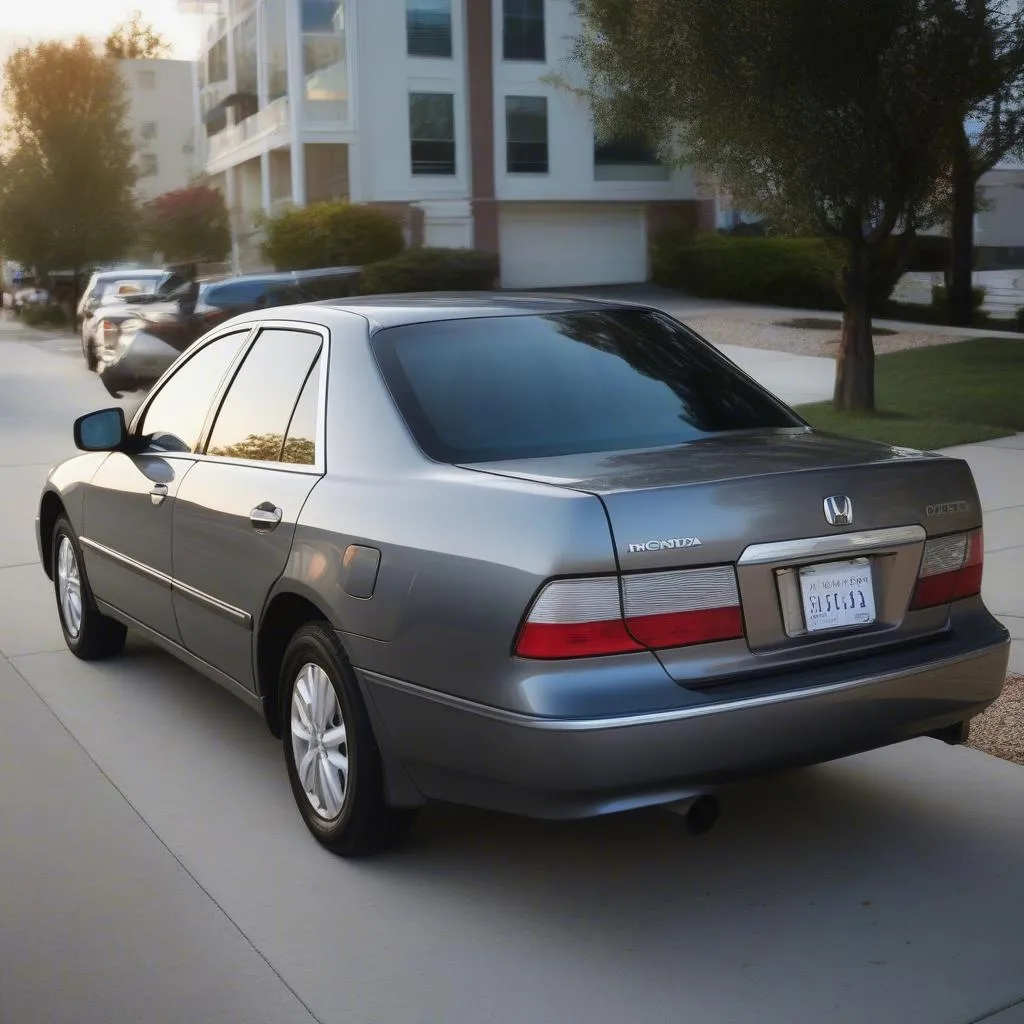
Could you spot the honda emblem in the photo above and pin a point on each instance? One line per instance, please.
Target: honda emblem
(839, 510)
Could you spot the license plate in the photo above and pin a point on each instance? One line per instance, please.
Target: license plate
(837, 595)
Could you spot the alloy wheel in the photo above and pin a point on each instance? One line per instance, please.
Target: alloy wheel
(69, 587)
(319, 742)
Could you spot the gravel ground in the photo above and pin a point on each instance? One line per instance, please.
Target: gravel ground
(769, 332)
(1000, 731)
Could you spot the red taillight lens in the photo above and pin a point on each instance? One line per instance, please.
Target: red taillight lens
(584, 617)
(950, 570)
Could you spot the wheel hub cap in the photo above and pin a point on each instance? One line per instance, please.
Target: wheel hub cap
(319, 742)
(69, 588)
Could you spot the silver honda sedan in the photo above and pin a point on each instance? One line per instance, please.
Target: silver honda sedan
(553, 557)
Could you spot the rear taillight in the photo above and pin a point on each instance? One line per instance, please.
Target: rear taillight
(110, 332)
(587, 617)
(951, 569)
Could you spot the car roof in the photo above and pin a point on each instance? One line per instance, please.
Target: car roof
(128, 274)
(399, 310)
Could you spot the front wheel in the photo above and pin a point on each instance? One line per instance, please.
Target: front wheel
(334, 763)
(89, 634)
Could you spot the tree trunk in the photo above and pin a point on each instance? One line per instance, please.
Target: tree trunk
(855, 362)
(961, 264)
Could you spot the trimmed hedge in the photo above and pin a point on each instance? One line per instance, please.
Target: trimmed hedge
(777, 271)
(432, 270)
(799, 272)
(44, 315)
(334, 234)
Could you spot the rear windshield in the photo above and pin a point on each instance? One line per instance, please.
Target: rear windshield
(494, 388)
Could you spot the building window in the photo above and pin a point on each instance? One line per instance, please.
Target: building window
(526, 126)
(246, 67)
(217, 61)
(275, 29)
(524, 30)
(428, 26)
(146, 79)
(324, 62)
(432, 132)
(147, 165)
(628, 160)
(147, 130)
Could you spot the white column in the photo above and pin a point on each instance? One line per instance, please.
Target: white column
(229, 180)
(265, 181)
(261, 53)
(296, 100)
(354, 149)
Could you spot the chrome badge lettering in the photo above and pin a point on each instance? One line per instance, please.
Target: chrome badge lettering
(947, 508)
(665, 545)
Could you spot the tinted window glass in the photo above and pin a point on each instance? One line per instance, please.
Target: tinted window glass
(175, 416)
(300, 442)
(236, 293)
(522, 386)
(254, 416)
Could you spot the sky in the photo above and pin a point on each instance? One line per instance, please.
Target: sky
(36, 20)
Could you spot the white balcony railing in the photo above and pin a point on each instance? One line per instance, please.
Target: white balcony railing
(267, 120)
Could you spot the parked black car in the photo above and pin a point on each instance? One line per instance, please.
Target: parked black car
(133, 350)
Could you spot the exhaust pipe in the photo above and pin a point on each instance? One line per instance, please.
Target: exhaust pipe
(700, 813)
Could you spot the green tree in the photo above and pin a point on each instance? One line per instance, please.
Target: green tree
(67, 177)
(829, 117)
(990, 129)
(134, 39)
(189, 225)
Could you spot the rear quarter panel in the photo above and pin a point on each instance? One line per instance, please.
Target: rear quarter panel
(462, 554)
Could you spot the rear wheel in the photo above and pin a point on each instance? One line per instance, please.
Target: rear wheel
(92, 360)
(334, 764)
(89, 634)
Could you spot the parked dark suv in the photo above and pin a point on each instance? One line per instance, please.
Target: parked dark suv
(134, 351)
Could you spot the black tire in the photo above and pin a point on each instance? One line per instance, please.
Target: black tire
(92, 360)
(97, 636)
(365, 824)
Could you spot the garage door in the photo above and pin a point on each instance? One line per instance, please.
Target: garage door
(562, 247)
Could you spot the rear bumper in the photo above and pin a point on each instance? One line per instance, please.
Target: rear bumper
(139, 364)
(457, 750)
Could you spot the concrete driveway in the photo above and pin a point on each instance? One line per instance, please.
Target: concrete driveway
(153, 869)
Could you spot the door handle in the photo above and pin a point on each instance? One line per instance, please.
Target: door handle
(265, 516)
(158, 494)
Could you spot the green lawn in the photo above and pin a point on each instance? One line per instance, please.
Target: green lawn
(937, 397)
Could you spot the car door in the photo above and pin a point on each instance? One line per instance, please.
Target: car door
(235, 514)
(128, 504)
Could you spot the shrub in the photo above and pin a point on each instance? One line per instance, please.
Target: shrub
(432, 270)
(940, 299)
(44, 315)
(929, 254)
(798, 272)
(335, 234)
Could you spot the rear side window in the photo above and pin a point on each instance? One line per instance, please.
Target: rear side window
(487, 389)
(260, 404)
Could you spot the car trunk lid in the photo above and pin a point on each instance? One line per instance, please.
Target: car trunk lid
(755, 502)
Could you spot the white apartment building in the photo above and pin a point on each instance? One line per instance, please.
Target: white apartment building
(162, 119)
(440, 110)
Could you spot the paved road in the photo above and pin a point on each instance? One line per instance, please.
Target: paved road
(153, 869)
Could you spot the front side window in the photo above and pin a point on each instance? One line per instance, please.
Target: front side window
(514, 387)
(432, 132)
(523, 30)
(428, 26)
(526, 124)
(147, 130)
(177, 412)
(254, 417)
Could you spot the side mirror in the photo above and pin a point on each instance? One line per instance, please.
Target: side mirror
(103, 431)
